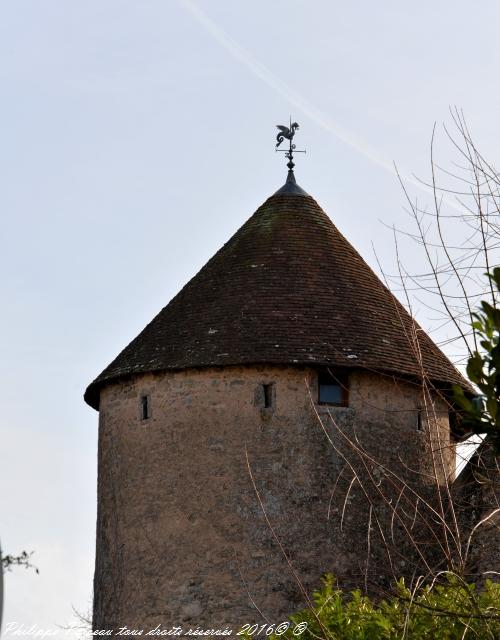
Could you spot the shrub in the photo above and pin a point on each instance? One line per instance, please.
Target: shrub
(452, 610)
(482, 414)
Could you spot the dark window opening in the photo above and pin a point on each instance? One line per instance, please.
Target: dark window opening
(145, 407)
(332, 389)
(420, 424)
(268, 395)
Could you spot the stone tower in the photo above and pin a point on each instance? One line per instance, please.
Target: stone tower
(220, 427)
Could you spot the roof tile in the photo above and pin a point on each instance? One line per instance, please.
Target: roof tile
(287, 288)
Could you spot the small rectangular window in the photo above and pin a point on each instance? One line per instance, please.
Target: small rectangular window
(265, 396)
(145, 407)
(332, 389)
(420, 426)
(268, 395)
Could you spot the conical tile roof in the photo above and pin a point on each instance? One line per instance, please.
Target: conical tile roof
(287, 288)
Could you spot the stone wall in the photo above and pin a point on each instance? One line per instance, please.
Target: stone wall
(181, 534)
(476, 496)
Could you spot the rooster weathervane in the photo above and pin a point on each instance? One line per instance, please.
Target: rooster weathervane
(288, 134)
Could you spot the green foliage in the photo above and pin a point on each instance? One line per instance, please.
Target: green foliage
(482, 415)
(452, 610)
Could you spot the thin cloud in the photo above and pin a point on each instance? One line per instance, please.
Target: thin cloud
(266, 75)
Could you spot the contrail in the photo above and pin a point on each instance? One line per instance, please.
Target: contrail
(267, 76)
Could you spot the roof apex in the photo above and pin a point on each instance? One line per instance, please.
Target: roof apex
(291, 187)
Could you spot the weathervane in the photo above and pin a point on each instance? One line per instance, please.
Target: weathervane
(288, 133)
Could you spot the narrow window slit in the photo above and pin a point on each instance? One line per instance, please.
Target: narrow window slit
(145, 407)
(268, 395)
(420, 426)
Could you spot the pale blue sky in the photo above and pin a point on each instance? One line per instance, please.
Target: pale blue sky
(135, 138)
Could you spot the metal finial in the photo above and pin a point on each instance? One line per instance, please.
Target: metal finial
(288, 133)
